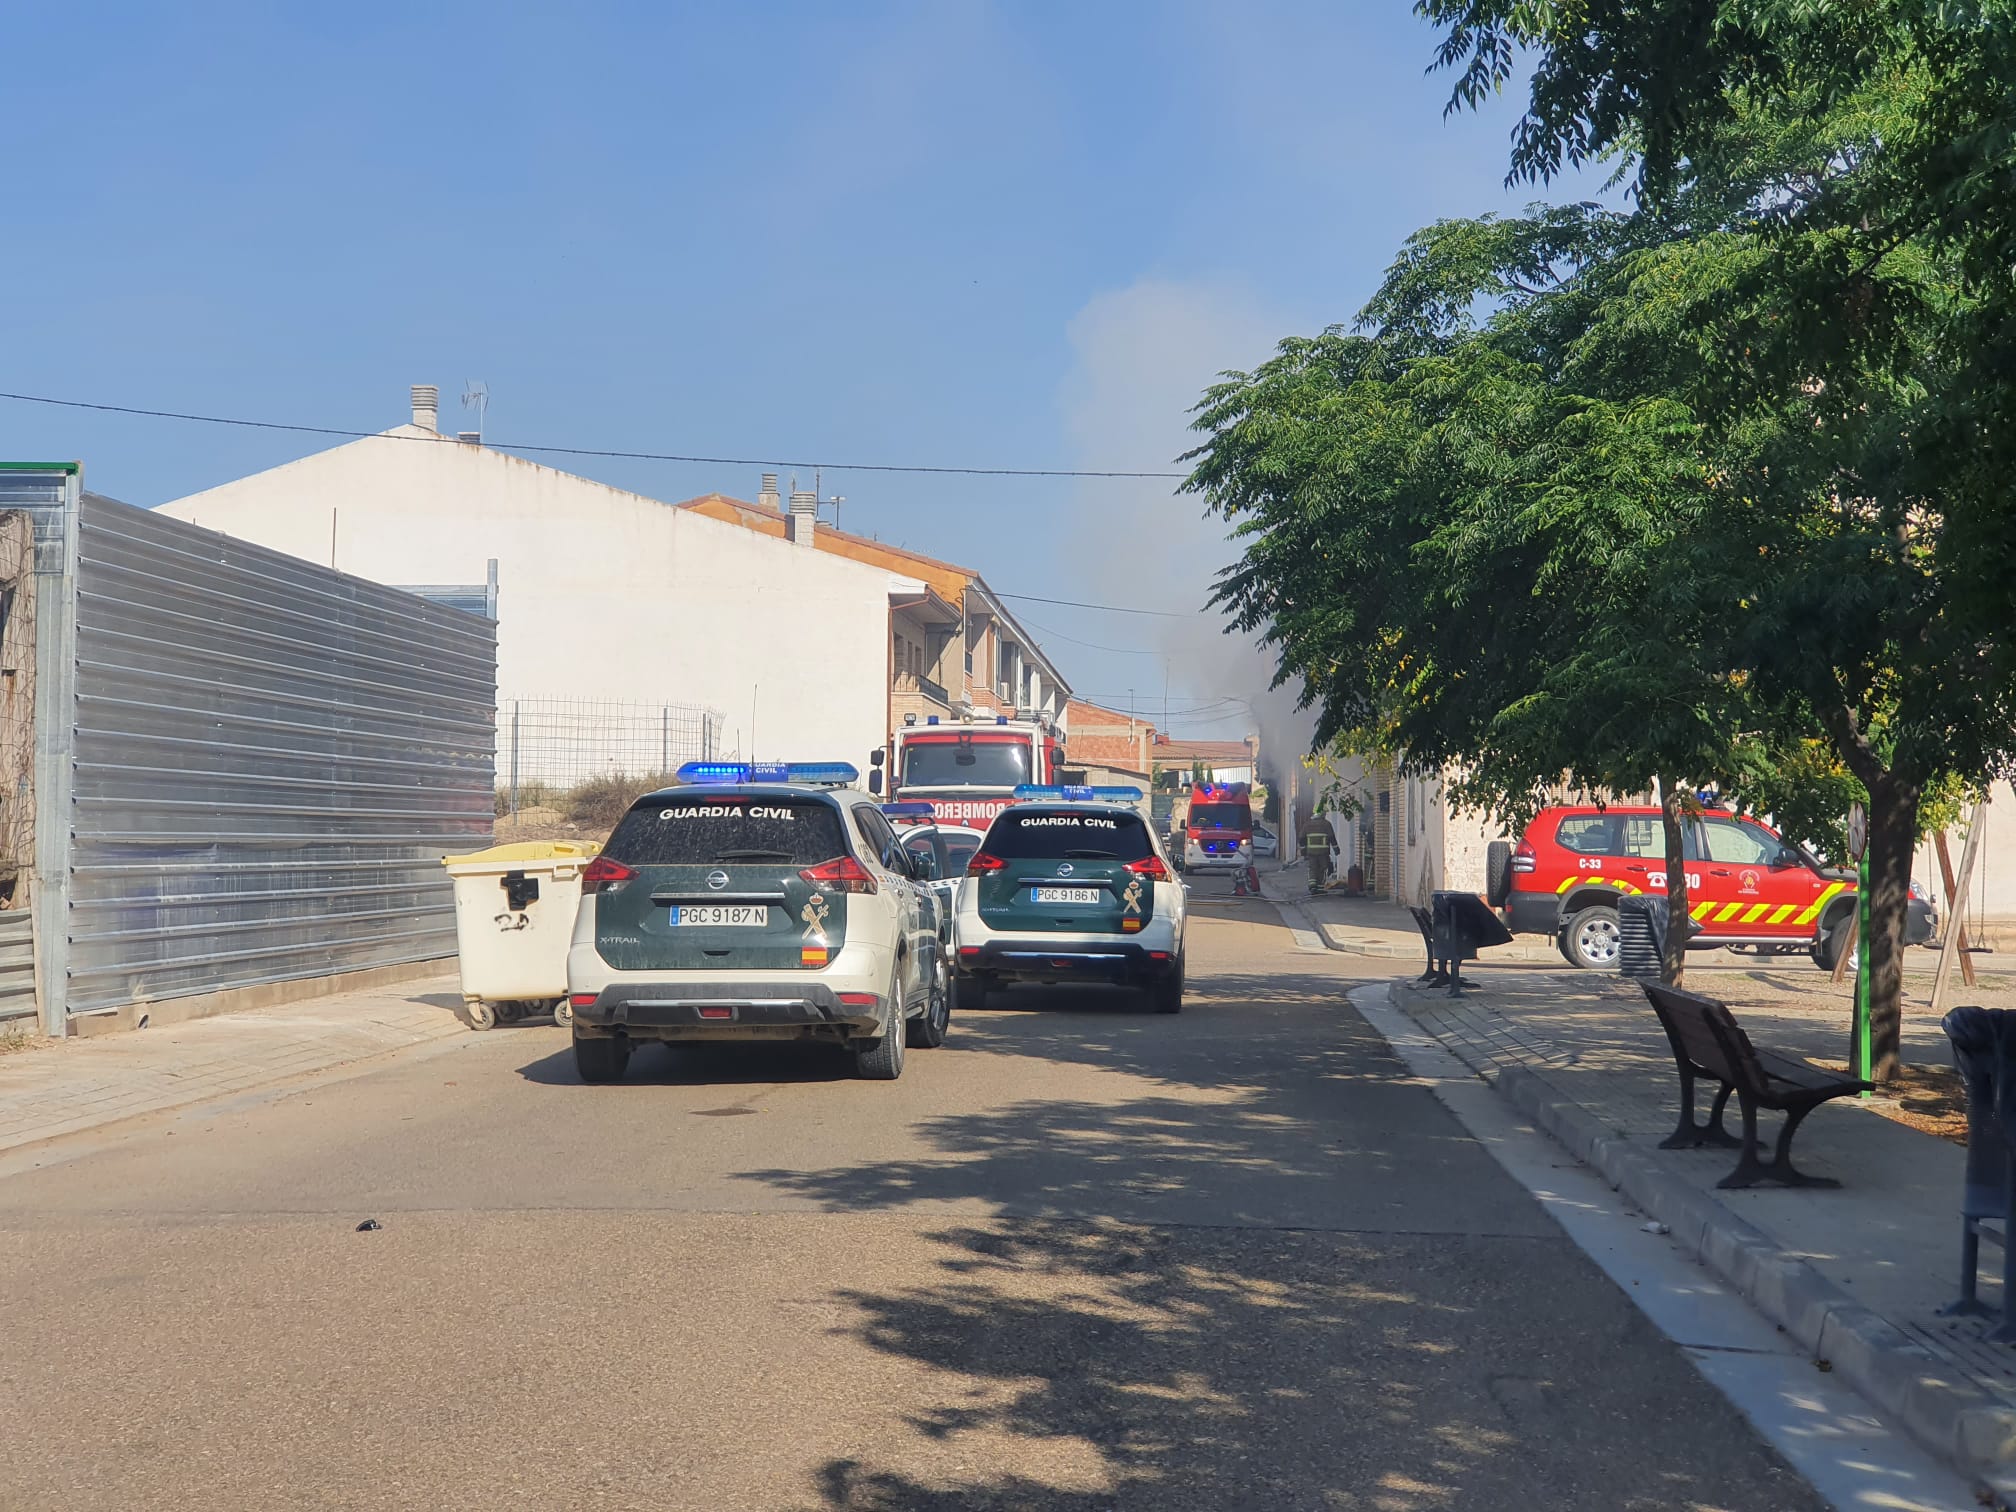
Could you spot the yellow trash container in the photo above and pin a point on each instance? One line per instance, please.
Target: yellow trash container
(514, 915)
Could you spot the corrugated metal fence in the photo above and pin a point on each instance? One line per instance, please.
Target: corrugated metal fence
(248, 766)
(271, 759)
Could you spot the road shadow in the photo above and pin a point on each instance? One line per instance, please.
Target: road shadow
(658, 1065)
(1098, 1367)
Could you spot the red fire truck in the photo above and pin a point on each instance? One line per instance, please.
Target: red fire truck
(968, 771)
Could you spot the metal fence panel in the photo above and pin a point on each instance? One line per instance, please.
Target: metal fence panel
(270, 759)
(544, 744)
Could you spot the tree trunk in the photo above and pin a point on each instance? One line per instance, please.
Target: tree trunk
(1672, 818)
(1893, 835)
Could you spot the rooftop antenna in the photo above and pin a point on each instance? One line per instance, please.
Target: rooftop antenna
(836, 500)
(476, 396)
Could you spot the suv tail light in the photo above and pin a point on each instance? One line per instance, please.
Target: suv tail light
(602, 872)
(982, 863)
(842, 874)
(1150, 867)
(1523, 859)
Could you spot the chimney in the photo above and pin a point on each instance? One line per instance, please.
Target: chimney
(768, 497)
(804, 515)
(426, 405)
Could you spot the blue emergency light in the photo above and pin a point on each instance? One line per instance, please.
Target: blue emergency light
(1077, 794)
(930, 719)
(727, 773)
(912, 810)
(1000, 719)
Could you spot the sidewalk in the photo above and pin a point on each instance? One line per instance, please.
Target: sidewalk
(1857, 1275)
(1371, 926)
(63, 1087)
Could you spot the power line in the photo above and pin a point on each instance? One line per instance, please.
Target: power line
(589, 451)
(1088, 645)
(1030, 598)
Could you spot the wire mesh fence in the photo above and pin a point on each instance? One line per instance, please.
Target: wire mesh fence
(559, 752)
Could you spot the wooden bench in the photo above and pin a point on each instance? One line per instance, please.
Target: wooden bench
(1707, 1041)
(1435, 975)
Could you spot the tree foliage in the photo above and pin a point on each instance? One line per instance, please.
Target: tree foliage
(1690, 489)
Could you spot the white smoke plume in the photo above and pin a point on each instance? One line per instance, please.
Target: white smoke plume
(1143, 357)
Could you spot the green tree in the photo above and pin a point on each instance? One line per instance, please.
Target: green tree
(1836, 300)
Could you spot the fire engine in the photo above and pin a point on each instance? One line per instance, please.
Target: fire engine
(968, 771)
(1218, 829)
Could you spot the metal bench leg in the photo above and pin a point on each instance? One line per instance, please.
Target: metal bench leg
(1456, 978)
(1692, 1134)
(1970, 1304)
(1750, 1171)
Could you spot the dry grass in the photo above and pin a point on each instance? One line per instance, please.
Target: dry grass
(1930, 1099)
(16, 1037)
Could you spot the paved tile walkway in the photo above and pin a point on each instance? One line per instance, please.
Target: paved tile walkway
(1889, 1236)
(72, 1085)
(1372, 926)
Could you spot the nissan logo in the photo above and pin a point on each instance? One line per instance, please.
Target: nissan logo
(717, 880)
(1064, 870)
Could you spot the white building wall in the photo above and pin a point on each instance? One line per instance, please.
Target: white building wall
(602, 593)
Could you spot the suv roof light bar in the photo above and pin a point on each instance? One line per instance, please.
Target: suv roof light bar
(1028, 794)
(730, 773)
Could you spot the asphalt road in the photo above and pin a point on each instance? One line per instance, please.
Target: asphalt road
(1082, 1258)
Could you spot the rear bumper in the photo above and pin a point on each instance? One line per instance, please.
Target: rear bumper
(1532, 913)
(1119, 962)
(673, 1009)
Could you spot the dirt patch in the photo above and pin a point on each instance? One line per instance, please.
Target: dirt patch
(1930, 1099)
(16, 1038)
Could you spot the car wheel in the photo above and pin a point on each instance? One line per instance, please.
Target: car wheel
(1497, 873)
(601, 1060)
(1593, 938)
(883, 1059)
(928, 1032)
(1827, 943)
(1166, 996)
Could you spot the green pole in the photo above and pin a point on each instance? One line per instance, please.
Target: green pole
(1861, 1067)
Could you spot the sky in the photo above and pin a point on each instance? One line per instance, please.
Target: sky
(937, 232)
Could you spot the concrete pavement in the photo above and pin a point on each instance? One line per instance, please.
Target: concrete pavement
(1858, 1275)
(1371, 926)
(55, 1088)
(1081, 1258)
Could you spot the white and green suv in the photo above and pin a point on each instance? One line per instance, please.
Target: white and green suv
(756, 903)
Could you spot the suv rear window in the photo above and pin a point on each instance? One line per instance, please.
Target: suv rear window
(1588, 834)
(706, 831)
(1048, 833)
(1236, 816)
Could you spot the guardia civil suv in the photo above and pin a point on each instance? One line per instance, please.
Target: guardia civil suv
(1070, 886)
(756, 903)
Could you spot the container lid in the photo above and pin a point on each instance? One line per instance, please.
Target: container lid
(527, 850)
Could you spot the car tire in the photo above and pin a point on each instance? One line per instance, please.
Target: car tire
(1166, 996)
(882, 1060)
(1497, 873)
(1827, 942)
(928, 1031)
(601, 1060)
(1592, 939)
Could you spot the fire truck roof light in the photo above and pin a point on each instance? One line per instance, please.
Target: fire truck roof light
(930, 719)
(916, 809)
(1000, 719)
(1077, 794)
(728, 773)
(909, 719)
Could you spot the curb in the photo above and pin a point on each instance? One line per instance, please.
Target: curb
(1947, 1415)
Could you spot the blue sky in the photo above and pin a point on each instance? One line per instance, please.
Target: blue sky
(972, 234)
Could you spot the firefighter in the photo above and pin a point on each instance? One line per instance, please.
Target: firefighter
(1319, 844)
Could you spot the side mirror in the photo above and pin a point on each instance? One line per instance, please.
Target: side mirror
(875, 757)
(875, 783)
(1787, 857)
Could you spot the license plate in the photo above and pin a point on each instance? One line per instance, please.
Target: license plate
(1067, 894)
(744, 915)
